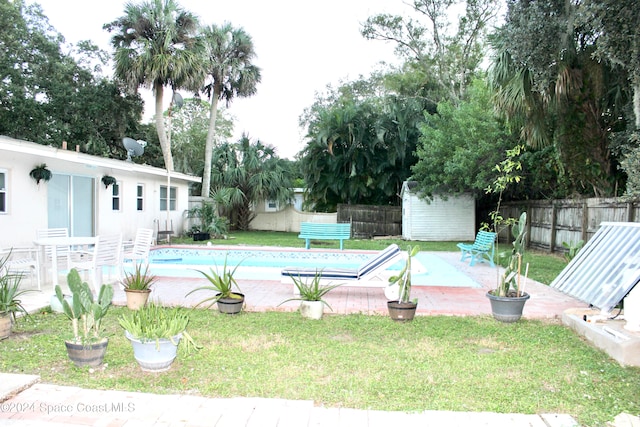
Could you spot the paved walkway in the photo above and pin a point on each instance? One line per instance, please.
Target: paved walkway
(27, 402)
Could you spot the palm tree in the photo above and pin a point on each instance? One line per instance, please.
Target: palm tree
(228, 54)
(249, 172)
(156, 46)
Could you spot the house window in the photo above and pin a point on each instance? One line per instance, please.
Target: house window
(115, 197)
(140, 197)
(163, 198)
(3, 191)
(271, 206)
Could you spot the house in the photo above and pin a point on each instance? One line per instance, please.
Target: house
(76, 198)
(450, 218)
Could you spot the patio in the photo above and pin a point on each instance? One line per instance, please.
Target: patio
(545, 303)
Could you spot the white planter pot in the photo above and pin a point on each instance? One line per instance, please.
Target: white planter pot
(312, 309)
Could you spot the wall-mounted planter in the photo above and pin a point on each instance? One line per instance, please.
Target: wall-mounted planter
(40, 173)
(108, 180)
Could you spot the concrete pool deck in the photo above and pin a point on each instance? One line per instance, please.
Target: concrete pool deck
(34, 399)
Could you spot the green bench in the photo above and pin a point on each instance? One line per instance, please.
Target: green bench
(319, 231)
(481, 250)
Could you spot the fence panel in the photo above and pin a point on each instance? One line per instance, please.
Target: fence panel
(552, 222)
(369, 221)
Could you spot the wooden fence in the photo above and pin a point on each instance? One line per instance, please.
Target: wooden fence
(369, 221)
(552, 222)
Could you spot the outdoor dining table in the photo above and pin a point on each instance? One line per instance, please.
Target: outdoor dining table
(54, 242)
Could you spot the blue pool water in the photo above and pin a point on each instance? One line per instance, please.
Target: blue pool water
(267, 264)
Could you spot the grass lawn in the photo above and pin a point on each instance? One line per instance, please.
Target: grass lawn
(355, 361)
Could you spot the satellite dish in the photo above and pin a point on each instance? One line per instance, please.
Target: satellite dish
(177, 100)
(134, 148)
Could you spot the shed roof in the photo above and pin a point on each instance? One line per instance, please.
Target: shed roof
(606, 268)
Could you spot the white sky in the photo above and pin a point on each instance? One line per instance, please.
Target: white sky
(301, 46)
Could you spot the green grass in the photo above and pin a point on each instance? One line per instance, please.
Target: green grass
(355, 361)
(543, 266)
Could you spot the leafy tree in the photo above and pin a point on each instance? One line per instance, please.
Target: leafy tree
(189, 126)
(228, 55)
(552, 89)
(245, 173)
(460, 146)
(450, 58)
(156, 46)
(49, 97)
(360, 145)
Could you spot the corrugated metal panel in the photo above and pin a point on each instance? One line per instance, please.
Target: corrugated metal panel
(606, 268)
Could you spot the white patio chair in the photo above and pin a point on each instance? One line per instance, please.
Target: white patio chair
(62, 252)
(106, 253)
(22, 260)
(139, 251)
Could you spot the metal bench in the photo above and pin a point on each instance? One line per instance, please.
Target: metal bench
(481, 250)
(319, 231)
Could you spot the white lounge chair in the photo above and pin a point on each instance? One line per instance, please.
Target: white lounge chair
(21, 261)
(372, 273)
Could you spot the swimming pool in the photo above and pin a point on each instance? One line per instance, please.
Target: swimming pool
(266, 264)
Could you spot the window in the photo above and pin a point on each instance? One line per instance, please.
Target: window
(115, 197)
(271, 206)
(163, 198)
(3, 191)
(140, 197)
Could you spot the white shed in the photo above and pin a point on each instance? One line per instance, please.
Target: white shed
(453, 219)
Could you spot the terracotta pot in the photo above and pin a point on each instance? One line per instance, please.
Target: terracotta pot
(5, 325)
(402, 311)
(87, 355)
(136, 298)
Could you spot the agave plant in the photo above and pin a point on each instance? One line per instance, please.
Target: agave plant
(222, 283)
(311, 291)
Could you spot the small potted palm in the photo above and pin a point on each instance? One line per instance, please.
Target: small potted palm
(10, 293)
(155, 333)
(311, 295)
(403, 309)
(222, 284)
(88, 345)
(137, 286)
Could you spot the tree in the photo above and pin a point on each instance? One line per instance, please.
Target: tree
(450, 59)
(360, 145)
(156, 46)
(229, 53)
(50, 97)
(189, 127)
(246, 173)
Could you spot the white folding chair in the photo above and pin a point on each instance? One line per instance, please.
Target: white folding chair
(106, 253)
(21, 261)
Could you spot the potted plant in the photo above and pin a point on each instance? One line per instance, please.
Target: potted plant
(108, 180)
(40, 173)
(508, 299)
(403, 309)
(137, 286)
(89, 345)
(222, 284)
(155, 333)
(311, 295)
(209, 222)
(10, 293)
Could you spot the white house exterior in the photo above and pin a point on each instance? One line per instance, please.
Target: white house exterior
(76, 198)
(439, 219)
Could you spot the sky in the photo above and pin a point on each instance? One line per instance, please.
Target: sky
(301, 45)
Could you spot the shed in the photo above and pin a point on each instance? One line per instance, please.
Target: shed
(450, 218)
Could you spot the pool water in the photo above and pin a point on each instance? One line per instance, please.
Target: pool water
(267, 264)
